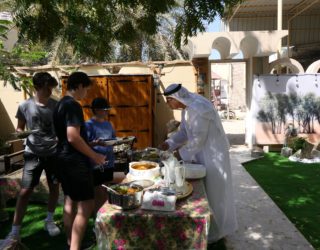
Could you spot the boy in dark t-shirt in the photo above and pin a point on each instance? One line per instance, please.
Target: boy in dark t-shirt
(74, 155)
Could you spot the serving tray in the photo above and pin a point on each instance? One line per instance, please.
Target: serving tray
(118, 140)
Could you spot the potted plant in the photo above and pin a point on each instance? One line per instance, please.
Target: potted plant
(297, 143)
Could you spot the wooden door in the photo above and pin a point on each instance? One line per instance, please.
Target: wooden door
(132, 101)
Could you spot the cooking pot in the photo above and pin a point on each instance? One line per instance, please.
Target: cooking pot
(130, 199)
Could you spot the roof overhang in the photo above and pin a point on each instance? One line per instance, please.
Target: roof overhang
(263, 8)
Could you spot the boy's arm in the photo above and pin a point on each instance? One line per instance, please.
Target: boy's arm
(21, 125)
(74, 138)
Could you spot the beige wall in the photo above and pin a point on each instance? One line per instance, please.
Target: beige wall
(9, 101)
(94, 70)
(135, 70)
(184, 74)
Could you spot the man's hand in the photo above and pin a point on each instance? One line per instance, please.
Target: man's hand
(164, 146)
(177, 155)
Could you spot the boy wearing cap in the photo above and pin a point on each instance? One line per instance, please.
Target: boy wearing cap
(40, 149)
(74, 154)
(100, 130)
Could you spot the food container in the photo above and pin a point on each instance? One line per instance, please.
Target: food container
(127, 196)
(194, 171)
(144, 170)
(148, 154)
(160, 200)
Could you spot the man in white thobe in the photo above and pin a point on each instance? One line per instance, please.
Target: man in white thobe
(201, 139)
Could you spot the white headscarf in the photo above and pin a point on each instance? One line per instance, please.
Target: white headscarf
(191, 100)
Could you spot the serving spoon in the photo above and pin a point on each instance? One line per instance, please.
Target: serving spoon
(110, 189)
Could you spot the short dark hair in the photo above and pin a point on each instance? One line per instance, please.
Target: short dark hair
(43, 79)
(99, 103)
(76, 79)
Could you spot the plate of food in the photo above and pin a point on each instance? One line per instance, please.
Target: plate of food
(148, 154)
(24, 134)
(109, 142)
(126, 139)
(118, 140)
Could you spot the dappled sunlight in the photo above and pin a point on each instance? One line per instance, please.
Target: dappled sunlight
(300, 201)
(285, 166)
(255, 236)
(283, 160)
(297, 176)
(276, 164)
(263, 239)
(249, 187)
(221, 158)
(294, 187)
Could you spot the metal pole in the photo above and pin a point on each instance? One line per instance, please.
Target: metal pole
(279, 21)
(279, 28)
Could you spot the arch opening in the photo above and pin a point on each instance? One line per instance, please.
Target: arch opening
(223, 45)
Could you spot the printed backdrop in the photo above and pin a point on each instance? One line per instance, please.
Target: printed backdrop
(279, 101)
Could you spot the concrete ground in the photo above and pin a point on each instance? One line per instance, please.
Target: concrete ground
(262, 225)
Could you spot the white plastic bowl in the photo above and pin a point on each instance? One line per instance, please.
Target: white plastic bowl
(195, 171)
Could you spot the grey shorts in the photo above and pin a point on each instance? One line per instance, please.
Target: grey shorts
(33, 167)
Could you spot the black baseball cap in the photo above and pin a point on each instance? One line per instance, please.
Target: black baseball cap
(100, 103)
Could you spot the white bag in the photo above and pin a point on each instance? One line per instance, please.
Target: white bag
(157, 200)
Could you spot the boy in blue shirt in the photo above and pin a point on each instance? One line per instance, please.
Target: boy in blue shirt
(99, 130)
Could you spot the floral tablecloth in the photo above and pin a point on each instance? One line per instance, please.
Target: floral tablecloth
(186, 228)
(10, 186)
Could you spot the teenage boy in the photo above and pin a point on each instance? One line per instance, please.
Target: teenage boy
(100, 129)
(35, 114)
(74, 155)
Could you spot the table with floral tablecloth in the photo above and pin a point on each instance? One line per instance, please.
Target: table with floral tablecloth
(185, 228)
(10, 186)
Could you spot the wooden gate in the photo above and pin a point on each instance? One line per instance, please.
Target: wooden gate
(132, 100)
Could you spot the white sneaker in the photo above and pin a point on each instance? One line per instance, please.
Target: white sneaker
(10, 242)
(52, 228)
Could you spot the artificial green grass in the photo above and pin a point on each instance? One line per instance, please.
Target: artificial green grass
(35, 238)
(294, 187)
(32, 230)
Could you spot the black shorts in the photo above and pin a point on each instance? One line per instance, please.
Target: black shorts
(33, 167)
(102, 175)
(75, 175)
